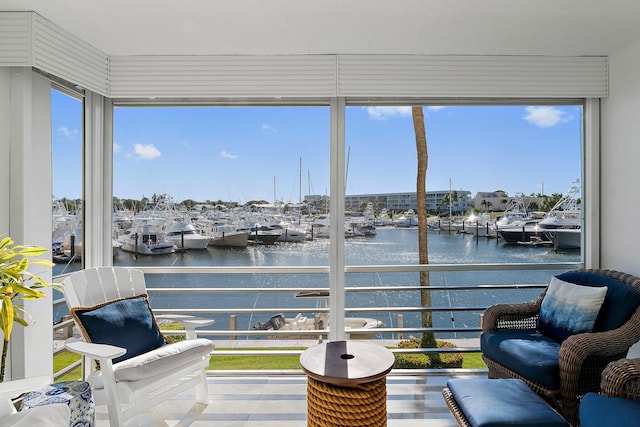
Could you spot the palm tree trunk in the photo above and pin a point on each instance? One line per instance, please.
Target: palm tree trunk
(428, 338)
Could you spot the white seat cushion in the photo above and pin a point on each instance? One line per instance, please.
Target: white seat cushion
(157, 362)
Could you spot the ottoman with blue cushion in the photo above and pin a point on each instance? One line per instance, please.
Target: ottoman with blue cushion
(486, 402)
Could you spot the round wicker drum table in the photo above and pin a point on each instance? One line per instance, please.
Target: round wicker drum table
(346, 383)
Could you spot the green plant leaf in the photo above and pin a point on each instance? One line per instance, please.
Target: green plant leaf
(31, 250)
(43, 262)
(30, 292)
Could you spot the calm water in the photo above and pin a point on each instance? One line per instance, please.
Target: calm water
(391, 246)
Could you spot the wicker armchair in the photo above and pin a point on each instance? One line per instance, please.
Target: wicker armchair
(618, 403)
(581, 358)
(622, 379)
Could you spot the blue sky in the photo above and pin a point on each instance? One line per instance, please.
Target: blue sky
(243, 153)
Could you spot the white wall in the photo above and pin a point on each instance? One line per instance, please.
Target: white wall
(25, 202)
(620, 163)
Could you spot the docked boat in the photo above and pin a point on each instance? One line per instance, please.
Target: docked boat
(289, 233)
(263, 235)
(322, 227)
(226, 236)
(566, 213)
(185, 236)
(146, 240)
(307, 325)
(523, 231)
(481, 225)
(515, 211)
(565, 238)
(407, 219)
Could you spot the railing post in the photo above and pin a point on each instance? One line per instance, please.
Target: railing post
(400, 325)
(233, 325)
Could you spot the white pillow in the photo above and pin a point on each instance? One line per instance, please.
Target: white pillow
(53, 415)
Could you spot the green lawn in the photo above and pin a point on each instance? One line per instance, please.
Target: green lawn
(470, 361)
(65, 358)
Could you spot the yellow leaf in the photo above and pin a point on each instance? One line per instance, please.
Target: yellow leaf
(43, 262)
(6, 317)
(28, 291)
(32, 250)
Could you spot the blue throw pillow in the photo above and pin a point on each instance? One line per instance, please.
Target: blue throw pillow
(569, 309)
(621, 302)
(126, 323)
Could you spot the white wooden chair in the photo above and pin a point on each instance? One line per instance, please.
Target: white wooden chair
(131, 387)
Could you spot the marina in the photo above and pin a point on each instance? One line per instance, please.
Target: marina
(272, 306)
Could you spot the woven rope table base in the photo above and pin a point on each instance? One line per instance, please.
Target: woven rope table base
(360, 405)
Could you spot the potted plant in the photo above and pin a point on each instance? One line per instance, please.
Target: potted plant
(17, 284)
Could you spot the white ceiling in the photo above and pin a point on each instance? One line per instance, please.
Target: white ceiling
(465, 27)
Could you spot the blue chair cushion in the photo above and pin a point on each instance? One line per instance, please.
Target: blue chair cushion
(502, 402)
(601, 411)
(568, 309)
(531, 354)
(619, 304)
(126, 323)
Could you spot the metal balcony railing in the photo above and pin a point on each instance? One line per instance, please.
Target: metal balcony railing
(478, 284)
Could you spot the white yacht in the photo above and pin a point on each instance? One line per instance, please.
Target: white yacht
(185, 236)
(147, 240)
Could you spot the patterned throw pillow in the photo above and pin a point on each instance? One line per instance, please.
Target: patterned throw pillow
(126, 323)
(569, 309)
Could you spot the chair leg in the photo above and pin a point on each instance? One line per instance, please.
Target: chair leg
(115, 415)
(202, 391)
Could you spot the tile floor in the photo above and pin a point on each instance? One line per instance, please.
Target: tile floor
(281, 401)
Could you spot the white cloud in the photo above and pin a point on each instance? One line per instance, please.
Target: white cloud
(545, 117)
(146, 152)
(436, 107)
(117, 148)
(67, 132)
(227, 155)
(269, 128)
(383, 113)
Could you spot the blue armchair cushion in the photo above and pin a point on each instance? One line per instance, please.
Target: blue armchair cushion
(126, 323)
(602, 411)
(527, 352)
(502, 402)
(568, 309)
(619, 304)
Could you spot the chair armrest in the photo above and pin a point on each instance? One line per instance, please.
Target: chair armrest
(95, 351)
(511, 316)
(622, 379)
(613, 344)
(190, 323)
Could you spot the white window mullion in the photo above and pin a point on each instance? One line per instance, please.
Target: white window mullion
(336, 206)
(591, 184)
(97, 181)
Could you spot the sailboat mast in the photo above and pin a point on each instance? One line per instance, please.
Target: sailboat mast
(450, 209)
